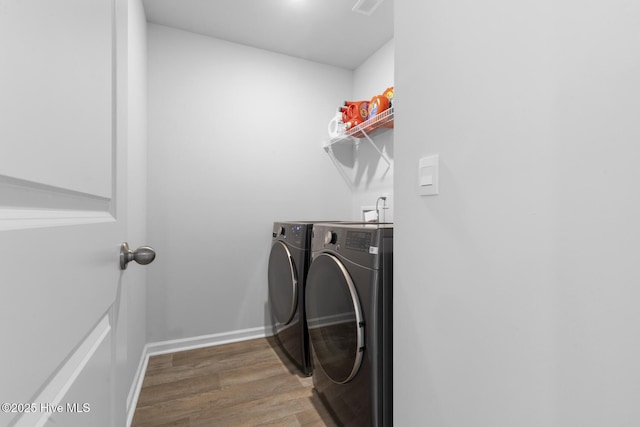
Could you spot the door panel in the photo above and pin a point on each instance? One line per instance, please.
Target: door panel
(283, 284)
(62, 216)
(81, 409)
(336, 336)
(56, 93)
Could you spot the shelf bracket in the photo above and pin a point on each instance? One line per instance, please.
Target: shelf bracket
(345, 175)
(371, 124)
(382, 154)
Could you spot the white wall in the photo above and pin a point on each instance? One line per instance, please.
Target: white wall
(375, 74)
(235, 143)
(516, 288)
(370, 175)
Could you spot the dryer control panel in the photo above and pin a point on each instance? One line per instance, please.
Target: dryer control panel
(358, 240)
(292, 233)
(361, 243)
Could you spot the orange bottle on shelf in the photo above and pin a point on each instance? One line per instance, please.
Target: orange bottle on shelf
(377, 105)
(354, 113)
(389, 94)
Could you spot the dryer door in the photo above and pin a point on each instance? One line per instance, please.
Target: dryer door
(283, 284)
(334, 317)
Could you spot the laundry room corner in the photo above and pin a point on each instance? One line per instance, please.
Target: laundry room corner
(369, 172)
(235, 141)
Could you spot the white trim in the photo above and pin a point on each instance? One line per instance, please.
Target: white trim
(66, 375)
(136, 385)
(174, 346)
(183, 344)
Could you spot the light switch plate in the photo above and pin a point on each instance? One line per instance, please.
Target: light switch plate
(428, 179)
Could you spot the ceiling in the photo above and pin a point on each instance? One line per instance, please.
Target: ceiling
(325, 31)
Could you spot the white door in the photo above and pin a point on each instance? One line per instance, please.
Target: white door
(62, 210)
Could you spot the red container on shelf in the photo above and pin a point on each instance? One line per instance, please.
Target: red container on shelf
(354, 113)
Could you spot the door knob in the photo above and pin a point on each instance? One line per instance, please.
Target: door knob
(143, 255)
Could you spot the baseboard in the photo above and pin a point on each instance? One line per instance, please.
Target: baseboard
(172, 346)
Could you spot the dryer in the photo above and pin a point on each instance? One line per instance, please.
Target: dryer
(349, 300)
(288, 264)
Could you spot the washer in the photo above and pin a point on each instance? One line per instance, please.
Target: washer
(349, 300)
(288, 264)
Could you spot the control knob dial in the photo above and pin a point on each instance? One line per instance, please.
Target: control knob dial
(330, 238)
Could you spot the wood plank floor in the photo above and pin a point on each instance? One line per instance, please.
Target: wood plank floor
(239, 384)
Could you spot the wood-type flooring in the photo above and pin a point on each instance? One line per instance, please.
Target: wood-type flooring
(238, 384)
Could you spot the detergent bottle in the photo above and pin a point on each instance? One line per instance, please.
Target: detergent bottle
(354, 113)
(389, 94)
(377, 105)
(336, 126)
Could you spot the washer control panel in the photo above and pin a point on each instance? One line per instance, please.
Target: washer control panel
(358, 240)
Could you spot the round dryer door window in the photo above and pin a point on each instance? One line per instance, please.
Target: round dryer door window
(334, 317)
(283, 283)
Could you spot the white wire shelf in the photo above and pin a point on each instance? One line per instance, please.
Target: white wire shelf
(383, 120)
(364, 130)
